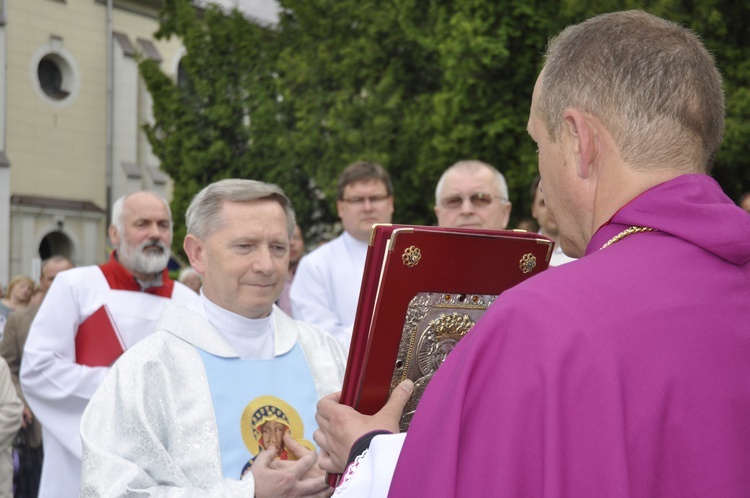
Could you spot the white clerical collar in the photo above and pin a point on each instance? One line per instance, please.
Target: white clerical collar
(355, 244)
(252, 338)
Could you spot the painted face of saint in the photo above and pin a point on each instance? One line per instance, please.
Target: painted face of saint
(272, 434)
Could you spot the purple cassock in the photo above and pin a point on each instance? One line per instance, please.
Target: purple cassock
(623, 374)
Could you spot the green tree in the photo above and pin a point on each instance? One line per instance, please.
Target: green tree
(412, 85)
(224, 117)
(415, 86)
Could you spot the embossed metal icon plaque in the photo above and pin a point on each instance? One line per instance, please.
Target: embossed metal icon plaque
(435, 322)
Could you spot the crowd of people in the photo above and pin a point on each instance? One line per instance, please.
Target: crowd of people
(616, 373)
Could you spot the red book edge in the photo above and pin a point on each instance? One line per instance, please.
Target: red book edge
(98, 342)
(379, 236)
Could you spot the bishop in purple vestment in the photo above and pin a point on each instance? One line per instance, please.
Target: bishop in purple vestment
(625, 373)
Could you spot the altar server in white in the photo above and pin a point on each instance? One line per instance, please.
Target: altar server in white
(325, 290)
(134, 285)
(220, 400)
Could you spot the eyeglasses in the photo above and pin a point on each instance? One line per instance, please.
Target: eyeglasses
(360, 201)
(478, 200)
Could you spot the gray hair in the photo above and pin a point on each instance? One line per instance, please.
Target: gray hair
(204, 216)
(471, 166)
(117, 209)
(651, 83)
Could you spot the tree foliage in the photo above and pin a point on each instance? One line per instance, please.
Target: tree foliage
(225, 118)
(414, 85)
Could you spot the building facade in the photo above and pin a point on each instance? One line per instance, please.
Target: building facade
(71, 109)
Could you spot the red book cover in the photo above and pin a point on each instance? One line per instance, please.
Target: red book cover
(98, 342)
(422, 290)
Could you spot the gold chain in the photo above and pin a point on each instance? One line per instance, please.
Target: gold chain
(625, 233)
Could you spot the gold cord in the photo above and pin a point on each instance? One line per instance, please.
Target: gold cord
(625, 233)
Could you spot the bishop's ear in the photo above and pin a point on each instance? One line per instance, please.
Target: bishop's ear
(581, 139)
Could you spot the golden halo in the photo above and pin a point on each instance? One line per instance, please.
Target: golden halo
(266, 408)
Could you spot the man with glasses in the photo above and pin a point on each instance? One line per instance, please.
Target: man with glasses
(472, 194)
(325, 290)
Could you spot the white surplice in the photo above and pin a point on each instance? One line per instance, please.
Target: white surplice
(325, 289)
(151, 427)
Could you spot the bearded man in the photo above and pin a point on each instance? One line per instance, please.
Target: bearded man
(134, 285)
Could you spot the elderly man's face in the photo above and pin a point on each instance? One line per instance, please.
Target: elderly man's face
(146, 238)
(244, 261)
(487, 211)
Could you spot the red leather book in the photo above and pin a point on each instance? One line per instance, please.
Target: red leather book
(98, 342)
(410, 273)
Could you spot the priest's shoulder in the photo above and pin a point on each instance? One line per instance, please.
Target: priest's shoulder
(153, 348)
